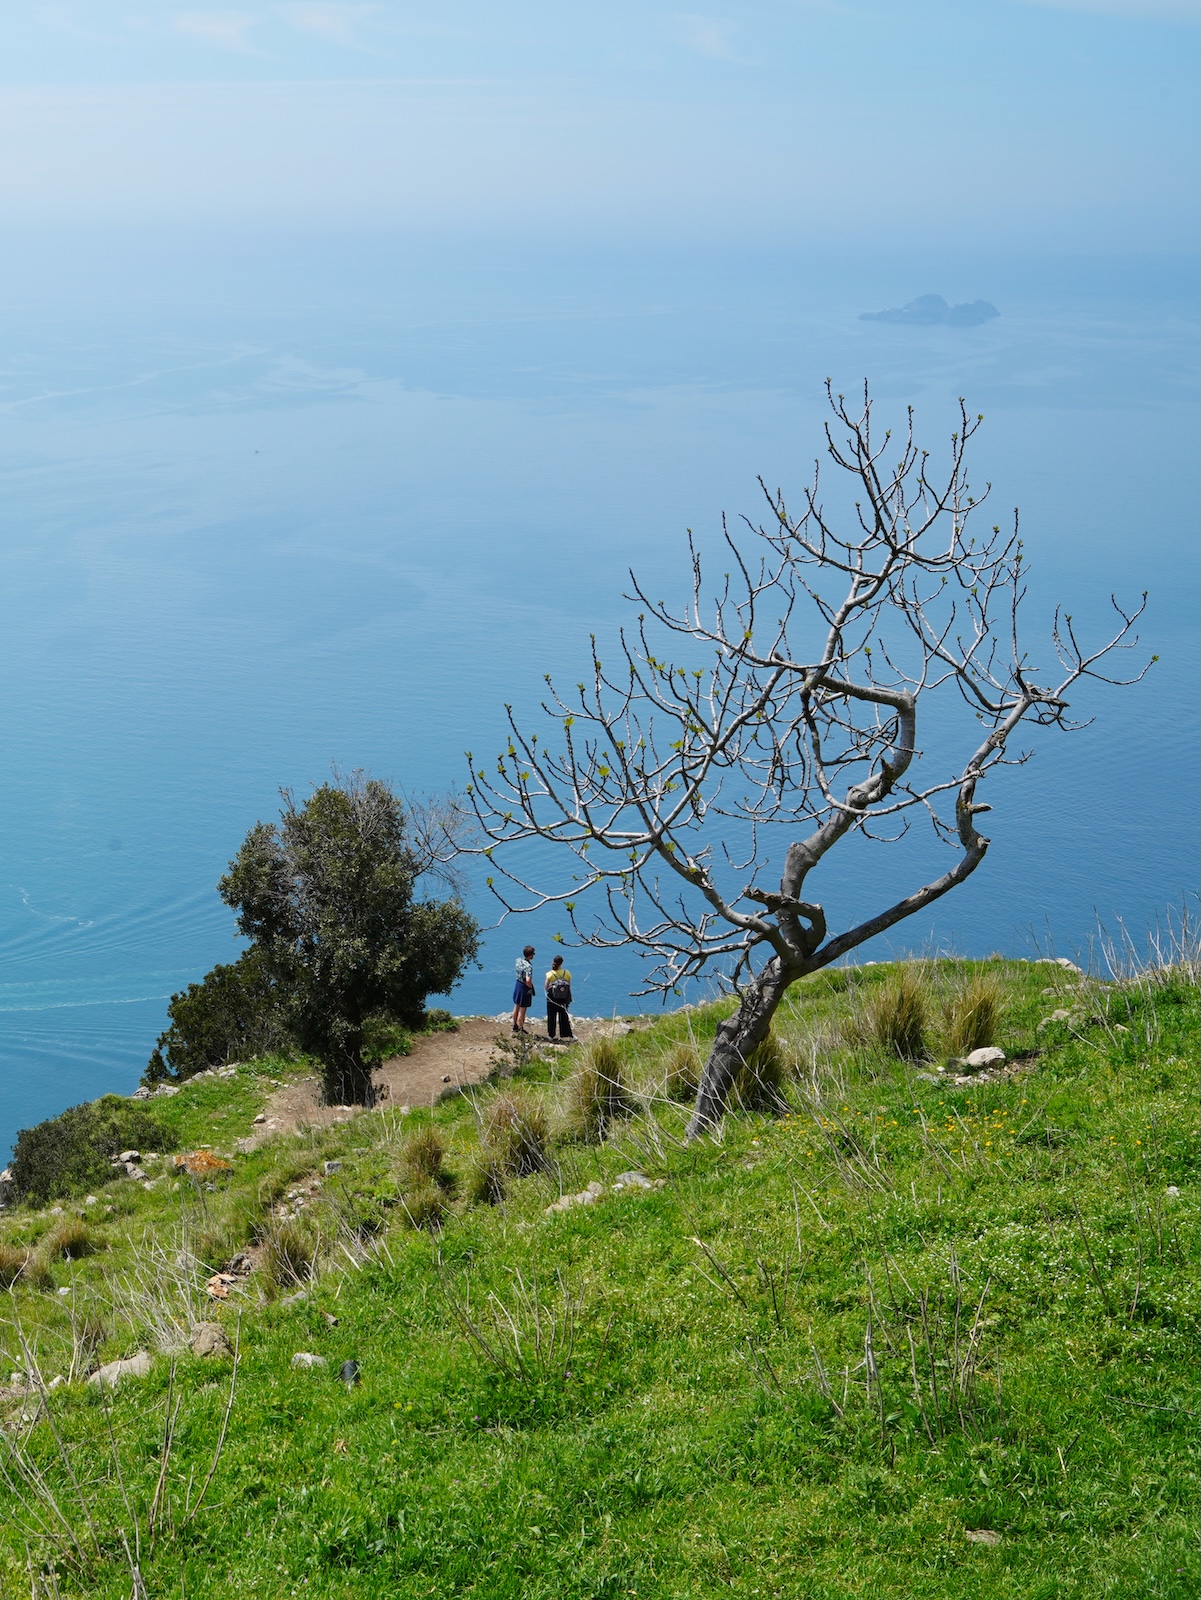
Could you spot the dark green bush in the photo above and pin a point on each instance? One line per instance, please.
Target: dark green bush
(71, 1153)
(233, 1014)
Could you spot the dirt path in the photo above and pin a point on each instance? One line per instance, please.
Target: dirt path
(440, 1064)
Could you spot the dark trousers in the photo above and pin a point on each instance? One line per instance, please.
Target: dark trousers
(556, 1017)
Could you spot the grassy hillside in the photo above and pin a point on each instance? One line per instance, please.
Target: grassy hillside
(916, 1337)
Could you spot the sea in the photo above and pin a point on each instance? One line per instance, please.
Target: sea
(278, 505)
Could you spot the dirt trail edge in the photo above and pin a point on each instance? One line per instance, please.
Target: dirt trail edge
(440, 1063)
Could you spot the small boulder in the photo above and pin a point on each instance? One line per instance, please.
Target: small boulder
(1058, 1015)
(981, 1536)
(330, 1167)
(988, 1056)
(208, 1339)
(127, 1156)
(349, 1373)
(260, 1119)
(166, 1089)
(632, 1180)
(112, 1373)
(1172, 1191)
(141, 1094)
(304, 1359)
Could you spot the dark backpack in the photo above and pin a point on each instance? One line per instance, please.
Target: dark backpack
(560, 992)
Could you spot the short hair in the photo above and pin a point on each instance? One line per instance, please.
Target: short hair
(528, 951)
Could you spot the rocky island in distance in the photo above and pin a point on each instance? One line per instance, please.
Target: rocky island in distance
(931, 310)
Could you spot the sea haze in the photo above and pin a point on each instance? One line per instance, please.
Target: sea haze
(250, 532)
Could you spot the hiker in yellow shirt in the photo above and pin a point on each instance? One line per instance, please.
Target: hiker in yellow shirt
(558, 998)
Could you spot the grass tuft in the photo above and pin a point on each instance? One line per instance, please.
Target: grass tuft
(597, 1096)
(893, 1016)
(290, 1251)
(514, 1132)
(971, 1014)
(71, 1239)
(682, 1072)
(425, 1205)
(423, 1158)
(760, 1083)
(13, 1258)
(485, 1179)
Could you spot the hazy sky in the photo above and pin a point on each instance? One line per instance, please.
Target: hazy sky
(1006, 123)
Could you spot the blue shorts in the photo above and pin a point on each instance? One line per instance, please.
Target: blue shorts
(522, 993)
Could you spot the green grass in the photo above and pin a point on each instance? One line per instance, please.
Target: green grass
(664, 1393)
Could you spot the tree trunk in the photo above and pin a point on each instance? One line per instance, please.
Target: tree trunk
(736, 1038)
(347, 1080)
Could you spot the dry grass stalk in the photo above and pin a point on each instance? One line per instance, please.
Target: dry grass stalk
(529, 1338)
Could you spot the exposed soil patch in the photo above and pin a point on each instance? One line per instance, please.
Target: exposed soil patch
(440, 1064)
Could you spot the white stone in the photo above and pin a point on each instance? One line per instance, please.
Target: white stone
(110, 1375)
(988, 1056)
(305, 1359)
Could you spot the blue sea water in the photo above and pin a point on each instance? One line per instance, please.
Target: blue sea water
(270, 505)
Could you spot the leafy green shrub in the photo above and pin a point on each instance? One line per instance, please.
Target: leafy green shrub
(893, 1016)
(759, 1083)
(70, 1239)
(71, 1153)
(682, 1072)
(439, 1021)
(597, 1096)
(233, 1014)
(971, 1014)
(515, 1134)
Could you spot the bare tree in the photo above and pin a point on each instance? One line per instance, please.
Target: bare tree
(760, 725)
